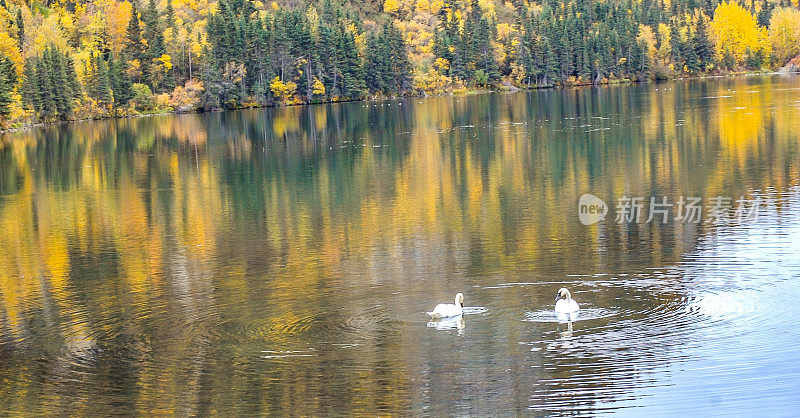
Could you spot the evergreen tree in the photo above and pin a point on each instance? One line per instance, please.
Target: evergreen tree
(702, 46)
(8, 81)
(46, 102)
(153, 33)
(120, 82)
(20, 22)
(72, 78)
(135, 48)
(61, 88)
(677, 47)
(28, 90)
(350, 64)
(765, 14)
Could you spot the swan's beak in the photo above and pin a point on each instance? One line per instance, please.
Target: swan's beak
(558, 296)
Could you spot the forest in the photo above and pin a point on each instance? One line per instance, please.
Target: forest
(72, 60)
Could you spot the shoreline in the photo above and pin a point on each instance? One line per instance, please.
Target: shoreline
(502, 88)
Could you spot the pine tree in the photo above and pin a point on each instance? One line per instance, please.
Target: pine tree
(30, 95)
(44, 85)
(352, 72)
(61, 88)
(376, 69)
(120, 82)
(8, 81)
(702, 46)
(765, 14)
(398, 58)
(135, 48)
(153, 34)
(20, 22)
(677, 47)
(72, 77)
(100, 78)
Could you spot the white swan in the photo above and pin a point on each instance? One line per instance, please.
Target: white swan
(565, 303)
(446, 310)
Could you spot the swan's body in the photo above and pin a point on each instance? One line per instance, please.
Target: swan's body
(565, 303)
(446, 310)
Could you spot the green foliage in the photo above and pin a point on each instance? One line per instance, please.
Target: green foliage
(120, 82)
(20, 22)
(8, 81)
(143, 98)
(50, 85)
(330, 50)
(468, 49)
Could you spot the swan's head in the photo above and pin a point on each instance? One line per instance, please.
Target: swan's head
(563, 293)
(460, 299)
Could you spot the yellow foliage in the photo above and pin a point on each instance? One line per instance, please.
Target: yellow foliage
(784, 33)
(134, 68)
(647, 37)
(504, 31)
(283, 91)
(666, 43)
(734, 31)
(488, 8)
(162, 100)
(430, 81)
(318, 89)
(391, 6)
(187, 97)
(313, 21)
(117, 17)
(49, 32)
(435, 6)
(164, 62)
(8, 47)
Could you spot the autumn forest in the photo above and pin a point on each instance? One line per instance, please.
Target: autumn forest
(70, 60)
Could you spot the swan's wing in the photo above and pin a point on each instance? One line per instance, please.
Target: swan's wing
(443, 310)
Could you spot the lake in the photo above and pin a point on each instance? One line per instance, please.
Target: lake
(280, 261)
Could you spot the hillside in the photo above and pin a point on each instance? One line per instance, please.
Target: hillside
(66, 60)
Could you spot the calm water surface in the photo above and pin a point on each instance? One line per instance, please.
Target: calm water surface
(280, 261)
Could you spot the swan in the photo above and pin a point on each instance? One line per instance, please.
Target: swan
(564, 302)
(446, 310)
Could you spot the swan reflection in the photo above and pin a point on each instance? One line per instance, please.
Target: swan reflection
(447, 324)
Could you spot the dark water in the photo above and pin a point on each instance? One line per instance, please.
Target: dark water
(281, 261)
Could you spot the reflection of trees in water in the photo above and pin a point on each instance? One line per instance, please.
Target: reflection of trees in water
(182, 246)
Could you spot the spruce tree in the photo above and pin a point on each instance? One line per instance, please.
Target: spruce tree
(28, 86)
(20, 22)
(61, 88)
(101, 80)
(702, 46)
(44, 85)
(134, 46)
(72, 78)
(765, 14)
(153, 34)
(120, 82)
(8, 80)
